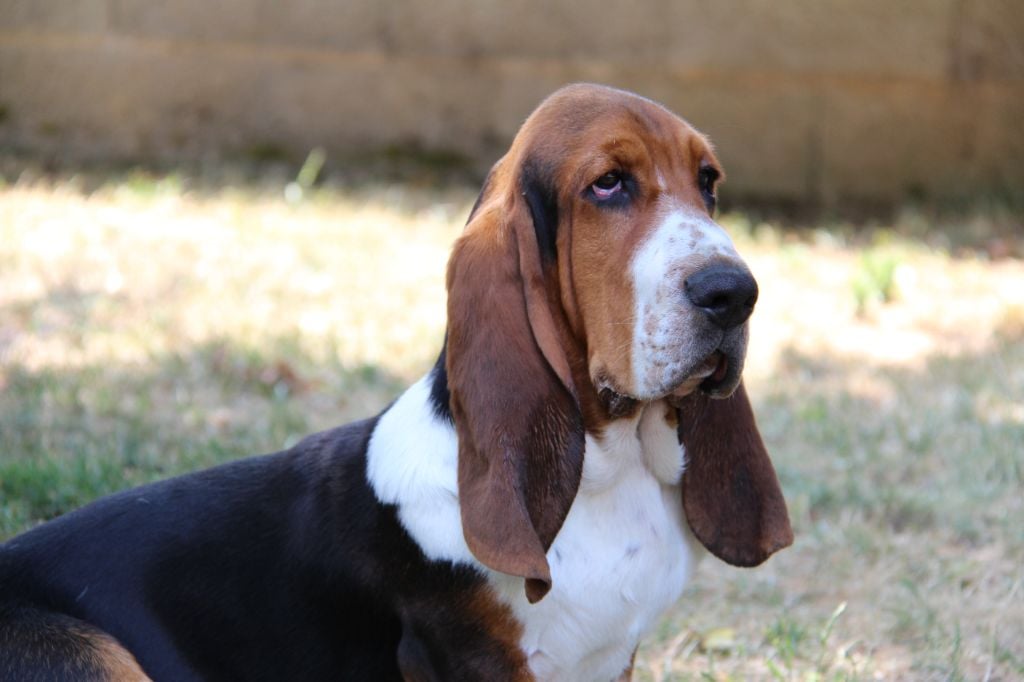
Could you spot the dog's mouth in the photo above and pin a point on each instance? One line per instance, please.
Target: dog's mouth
(716, 375)
(709, 376)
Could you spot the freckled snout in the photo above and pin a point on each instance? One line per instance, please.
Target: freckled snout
(726, 293)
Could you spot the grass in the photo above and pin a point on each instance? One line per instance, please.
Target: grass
(154, 323)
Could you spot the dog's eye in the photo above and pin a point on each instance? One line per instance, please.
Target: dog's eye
(707, 176)
(607, 186)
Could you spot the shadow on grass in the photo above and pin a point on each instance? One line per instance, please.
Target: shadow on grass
(417, 173)
(908, 449)
(70, 435)
(903, 484)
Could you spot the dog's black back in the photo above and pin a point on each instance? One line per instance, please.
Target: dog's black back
(269, 568)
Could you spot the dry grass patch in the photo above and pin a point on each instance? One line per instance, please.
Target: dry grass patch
(147, 328)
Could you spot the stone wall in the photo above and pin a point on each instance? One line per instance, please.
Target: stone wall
(806, 100)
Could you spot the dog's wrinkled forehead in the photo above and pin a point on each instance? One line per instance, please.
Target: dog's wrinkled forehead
(582, 119)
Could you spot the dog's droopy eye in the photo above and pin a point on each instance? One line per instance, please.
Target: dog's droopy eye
(707, 176)
(607, 186)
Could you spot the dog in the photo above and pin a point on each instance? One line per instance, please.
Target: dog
(526, 511)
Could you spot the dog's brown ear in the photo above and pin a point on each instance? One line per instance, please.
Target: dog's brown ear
(731, 494)
(514, 404)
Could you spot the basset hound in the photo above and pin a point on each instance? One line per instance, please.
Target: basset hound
(526, 511)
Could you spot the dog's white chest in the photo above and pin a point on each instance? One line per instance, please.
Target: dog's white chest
(620, 560)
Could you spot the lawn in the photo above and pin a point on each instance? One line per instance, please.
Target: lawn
(156, 323)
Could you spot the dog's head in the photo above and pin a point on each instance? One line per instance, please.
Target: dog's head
(592, 277)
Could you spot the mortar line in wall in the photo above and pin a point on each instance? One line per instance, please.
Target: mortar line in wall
(585, 68)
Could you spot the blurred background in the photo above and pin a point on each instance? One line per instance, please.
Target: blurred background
(225, 225)
(810, 103)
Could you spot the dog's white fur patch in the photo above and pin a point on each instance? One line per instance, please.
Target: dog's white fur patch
(412, 462)
(621, 559)
(667, 333)
(619, 562)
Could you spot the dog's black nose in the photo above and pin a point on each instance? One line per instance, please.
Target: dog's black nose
(727, 293)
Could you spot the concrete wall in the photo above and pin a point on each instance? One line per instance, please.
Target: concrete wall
(806, 100)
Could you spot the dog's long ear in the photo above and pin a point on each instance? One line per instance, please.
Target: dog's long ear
(731, 494)
(513, 401)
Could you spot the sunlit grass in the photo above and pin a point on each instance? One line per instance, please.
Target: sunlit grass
(151, 324)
